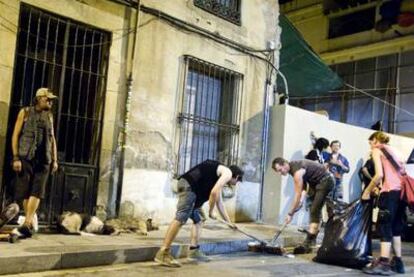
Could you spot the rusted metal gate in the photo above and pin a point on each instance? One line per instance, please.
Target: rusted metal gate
(71, 58)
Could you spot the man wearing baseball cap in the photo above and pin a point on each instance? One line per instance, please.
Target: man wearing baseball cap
(34, 156)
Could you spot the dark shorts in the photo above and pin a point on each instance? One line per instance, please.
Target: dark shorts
(391, 215)
(186, 203)
(31, 181)
(318, 195)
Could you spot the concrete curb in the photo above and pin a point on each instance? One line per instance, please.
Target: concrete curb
(72, 258)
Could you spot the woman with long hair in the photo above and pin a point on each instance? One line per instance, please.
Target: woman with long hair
(387, 183)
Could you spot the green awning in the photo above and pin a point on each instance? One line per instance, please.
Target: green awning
(306, 73)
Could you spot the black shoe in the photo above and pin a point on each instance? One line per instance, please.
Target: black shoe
(23, 231)
(302, 249)
(397, 265)
(306, 246)
(378, 268)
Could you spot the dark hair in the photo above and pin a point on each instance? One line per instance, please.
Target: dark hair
(336, 141)
(236, 172)
(380, 136)
(321, 143)
(279, 161)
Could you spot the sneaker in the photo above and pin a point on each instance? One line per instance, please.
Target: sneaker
(198, 255)
(397, 265)
(378, 268)
(164, 257)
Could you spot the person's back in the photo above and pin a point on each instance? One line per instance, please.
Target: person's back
(202, 179)
(314, 170)
(392, 178)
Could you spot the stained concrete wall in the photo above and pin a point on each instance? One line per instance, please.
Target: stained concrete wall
(100, 14)
(290, 138)
(152, 141)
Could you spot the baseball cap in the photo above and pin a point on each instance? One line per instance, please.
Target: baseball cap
(45, 92)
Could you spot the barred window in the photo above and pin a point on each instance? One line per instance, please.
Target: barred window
(210, 114)
(226, 9)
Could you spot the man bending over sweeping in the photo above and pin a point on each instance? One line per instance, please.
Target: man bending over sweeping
(201, 183)
(320, 181)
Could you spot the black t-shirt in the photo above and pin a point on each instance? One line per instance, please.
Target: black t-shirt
(312, 155)
(202, 179)
(370, 166)
(314, 171)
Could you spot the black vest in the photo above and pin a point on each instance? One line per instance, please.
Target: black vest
(202, 179)
(36, 132)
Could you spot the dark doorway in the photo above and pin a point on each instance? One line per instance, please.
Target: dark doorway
(70, 58)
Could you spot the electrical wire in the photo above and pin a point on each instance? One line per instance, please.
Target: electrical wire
(37, 36)
(379, 99)
(178, 23)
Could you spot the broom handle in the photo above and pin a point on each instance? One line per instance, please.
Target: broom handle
(276, 236)
(241, 231)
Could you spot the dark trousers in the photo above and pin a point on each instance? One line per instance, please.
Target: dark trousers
(31, 181)
(318, 195)
(391, 215)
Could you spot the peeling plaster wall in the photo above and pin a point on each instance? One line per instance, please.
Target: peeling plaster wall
(290, 138)
(152, 141)
(97, 13)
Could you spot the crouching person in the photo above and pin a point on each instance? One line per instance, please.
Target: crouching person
(320, 181)
(200, 184)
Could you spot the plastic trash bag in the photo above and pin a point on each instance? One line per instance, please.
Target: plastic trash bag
(347, 235)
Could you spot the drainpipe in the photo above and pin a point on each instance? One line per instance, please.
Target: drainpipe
(123, 134)
(265, 139)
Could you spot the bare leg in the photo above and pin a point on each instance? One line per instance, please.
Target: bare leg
(30, 209)
(171, 234)
(396, 244)
(386, 248)
(25, 205)
(196, 233)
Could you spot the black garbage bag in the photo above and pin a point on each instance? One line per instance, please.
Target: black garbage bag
(347, 235)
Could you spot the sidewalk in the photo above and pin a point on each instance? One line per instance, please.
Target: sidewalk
(51, 251)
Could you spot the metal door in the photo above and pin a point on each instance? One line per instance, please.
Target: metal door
(71, 58)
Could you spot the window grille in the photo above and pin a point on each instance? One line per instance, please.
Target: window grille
(226, 9)
(209, 120)
(388, 78)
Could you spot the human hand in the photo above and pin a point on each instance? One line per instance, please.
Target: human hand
(375, 191)
(288, 219)
(366, 195)
(54, 166)
(233, 226)
(212, 216)
(17, 165)
(334, 162)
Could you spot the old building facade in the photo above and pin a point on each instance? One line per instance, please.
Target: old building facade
(146, 90)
